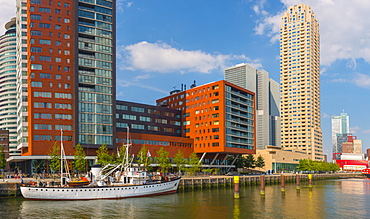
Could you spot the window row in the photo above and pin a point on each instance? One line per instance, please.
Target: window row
(49, 127)
(49, 105)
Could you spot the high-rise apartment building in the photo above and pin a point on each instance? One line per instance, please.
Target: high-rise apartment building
(219, 116)
(65, 74)
(300, 81)
(339, 126)
(8, 95)
(267, 101)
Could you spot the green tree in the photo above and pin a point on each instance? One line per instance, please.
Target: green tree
(193, 163)
(334, 167)
(305, 165)
(309, 165)
(144, 158)
(260, 162)
(103, 155)
(79, 159)
(120, 156)
(240, 162)
(249, 161)
(2, 157)
(163, 160)
(180, 161)
(54, 155)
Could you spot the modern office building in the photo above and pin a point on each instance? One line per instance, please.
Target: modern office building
(65, 75)
(8, 94)
(339, 125)
(219, 116)
(267, 101)
(300, 81)
(151, 126)
(279, 160)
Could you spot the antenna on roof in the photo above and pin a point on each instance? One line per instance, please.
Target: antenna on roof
(193, 85)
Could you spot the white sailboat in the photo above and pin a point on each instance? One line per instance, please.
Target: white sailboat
(110, 182)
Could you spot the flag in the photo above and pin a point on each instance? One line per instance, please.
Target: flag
(149, 155)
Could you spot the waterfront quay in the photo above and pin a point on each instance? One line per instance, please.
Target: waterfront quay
(218, 181)
(10, 187)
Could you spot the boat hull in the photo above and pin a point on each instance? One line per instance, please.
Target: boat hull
(104, 192)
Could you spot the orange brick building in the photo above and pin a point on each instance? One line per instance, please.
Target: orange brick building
(219, 116)
(65, 77)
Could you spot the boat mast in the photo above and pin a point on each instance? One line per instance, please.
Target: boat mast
(63, 159)
(127, 147)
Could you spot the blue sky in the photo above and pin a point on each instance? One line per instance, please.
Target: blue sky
(162, 44)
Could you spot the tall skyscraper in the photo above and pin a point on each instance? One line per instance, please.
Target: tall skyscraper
(65, 74)
(267, 102)
(300, 81)
(8, 95)
(339, 126)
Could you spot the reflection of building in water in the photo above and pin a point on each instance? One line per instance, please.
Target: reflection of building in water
(355, 186)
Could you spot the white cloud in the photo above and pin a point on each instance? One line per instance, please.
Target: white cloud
(141, 77)
(129, 4)
(121, 4)
(324, 115)
(344, 28)
(340, 80)
(123, 83)
(362, 80)
(358, 79)
(7, 12)
(161, 57)
(354, 130)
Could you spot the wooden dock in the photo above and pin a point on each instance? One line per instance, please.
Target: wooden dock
(10, 188)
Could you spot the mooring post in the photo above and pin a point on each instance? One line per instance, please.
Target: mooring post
(262, 184)
(282, 181)
(236, 186)
(298, 182)
(309, 180)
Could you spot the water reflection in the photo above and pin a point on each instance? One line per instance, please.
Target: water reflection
(327, 199)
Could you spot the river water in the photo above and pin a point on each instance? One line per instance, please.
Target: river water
(346, 198)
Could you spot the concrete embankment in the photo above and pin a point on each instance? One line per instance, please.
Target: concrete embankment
(10, 187)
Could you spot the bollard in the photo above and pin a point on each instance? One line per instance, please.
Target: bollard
(309, 180)
(298, 182)
(282, 180)
(236, 186)
(262, 184)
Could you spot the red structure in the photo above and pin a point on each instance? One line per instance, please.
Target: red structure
(353, 165)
